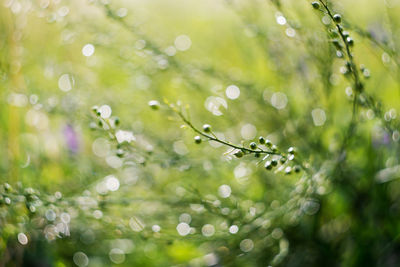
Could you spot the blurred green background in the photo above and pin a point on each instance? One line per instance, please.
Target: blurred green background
(73, 195)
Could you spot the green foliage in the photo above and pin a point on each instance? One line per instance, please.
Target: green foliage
(199, 133)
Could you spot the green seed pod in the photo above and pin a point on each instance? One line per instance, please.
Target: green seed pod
(339, 54)
(297, 169)
(120, 153)
(7, 187)
(268, 143)
(282, 160)
(336, 43)
(291, 150)
(257, 155)
(207, 128)
(366, 73)
(238, 154)
(253, 145)
(268, 165)
(350, 41)
(261, 140)
(315, 5)
(29, 191)
(337, 18)
(334, 33)
(116, 121)
(154, 104)
(346, 34)
(32, 208)
(274, 148)
(274, 162)
(197, 139)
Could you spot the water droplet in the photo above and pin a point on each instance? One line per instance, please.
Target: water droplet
(112, 183)
(279, 100)
(248, 131)
(211, 259)
(185, 217)
(224, 191)
(183, 42)
(22, 239)
(117, 255)
(81, 259)
(105, 111)
(88, 50)
(66, 82)
(124, 136)
(208, 230)
(136, 224)
(233, 229)
(156, 228)
(318, 116)
(122, 12)
(213, 105)
(232, 92)
(281, 20)
(246, 245)
(183, 229)
(50, 215)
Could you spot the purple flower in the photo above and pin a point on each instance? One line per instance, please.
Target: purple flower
(71, 138)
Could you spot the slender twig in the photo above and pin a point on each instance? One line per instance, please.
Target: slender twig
(214, 138)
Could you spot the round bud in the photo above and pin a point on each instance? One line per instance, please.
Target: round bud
(29, 191)
(31, 208)
(257, 155)
(7, 187)
(297, 169)
(268, 143)
(334, 33)
(337, 18)
(346, 34)
(288, 170)
(336, 43)
(274, 148)
(268, 165)
(100, 123)
(253, 145)
(120, 153)
(315, 5)
(366, 73)
(350, 41)
(197, 139)
(116, 121)
(154, 104)
(291, 150)
(282, 160)
(94, 109)
(238, 154)
(274, 162)
(261, 140)
(206, 128)
(92, 125)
